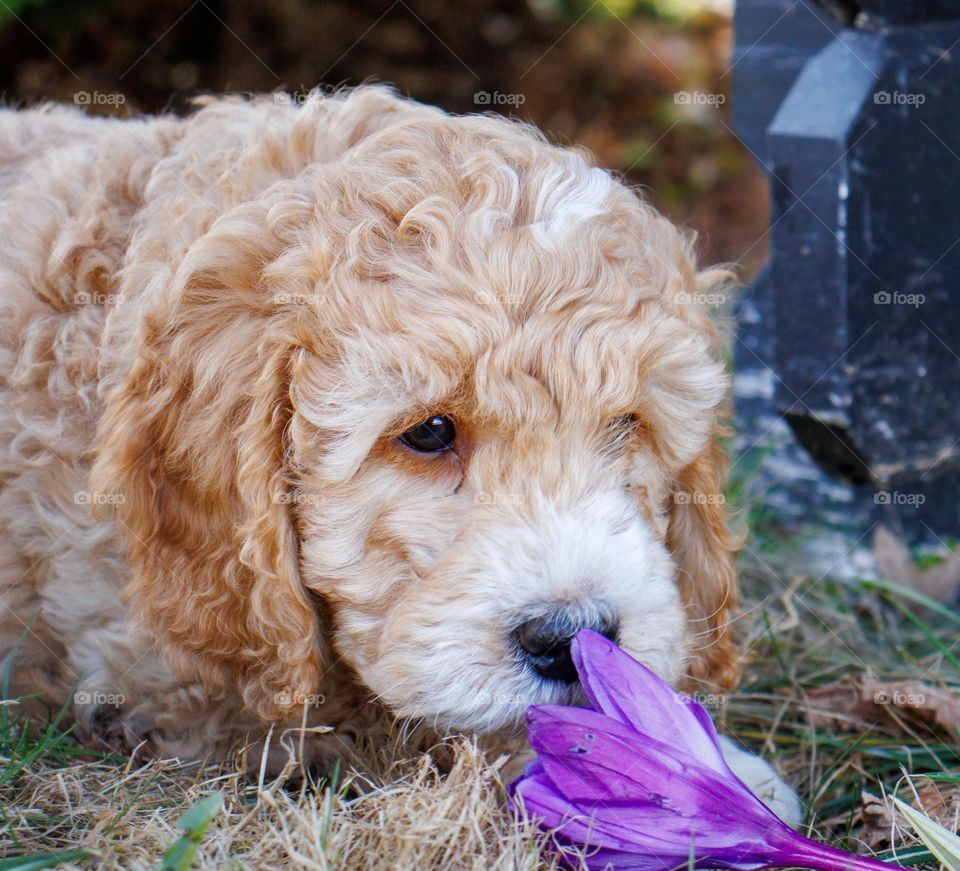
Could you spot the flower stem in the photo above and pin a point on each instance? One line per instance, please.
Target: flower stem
(811, 854)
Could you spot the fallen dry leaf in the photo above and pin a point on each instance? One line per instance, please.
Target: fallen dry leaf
(861, 701)
(931, 704)
(941, 801)
(877, 822)
(896, 565)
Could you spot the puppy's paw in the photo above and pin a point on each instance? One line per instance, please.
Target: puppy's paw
(763, 780)
(111, 729)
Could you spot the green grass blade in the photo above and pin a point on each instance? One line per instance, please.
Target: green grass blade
(48, 742)
(945, 650)
(912, 596)
(943, 843)
(41, 860)
(943, 776)
(7, 679)
(194, 823)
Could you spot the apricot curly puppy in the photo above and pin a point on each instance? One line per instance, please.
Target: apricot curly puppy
(304, 406)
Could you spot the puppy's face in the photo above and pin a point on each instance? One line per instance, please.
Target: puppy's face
(428, 409)
(457, 576)
(487, 441)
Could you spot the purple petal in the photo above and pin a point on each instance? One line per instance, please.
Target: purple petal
(553, 811)
(593, 760)
(611, 843)
(604, 859)
(629, 692)
(542, 802)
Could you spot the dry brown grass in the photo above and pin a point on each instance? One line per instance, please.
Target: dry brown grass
(400, 811)
(405, 815)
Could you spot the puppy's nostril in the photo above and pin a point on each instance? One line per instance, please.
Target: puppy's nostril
(545, 643)
(539, 636)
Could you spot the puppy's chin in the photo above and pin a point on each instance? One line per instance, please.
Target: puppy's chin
(451, 693)
(486, 711)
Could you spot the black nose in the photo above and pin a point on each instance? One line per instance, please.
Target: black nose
(545, 643)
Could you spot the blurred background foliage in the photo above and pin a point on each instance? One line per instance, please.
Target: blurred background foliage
(610, 75)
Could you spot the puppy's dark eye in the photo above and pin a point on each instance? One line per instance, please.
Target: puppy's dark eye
(434, 435)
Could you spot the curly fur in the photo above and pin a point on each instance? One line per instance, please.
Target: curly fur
(213, 329)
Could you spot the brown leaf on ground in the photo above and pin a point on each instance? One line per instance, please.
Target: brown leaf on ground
(862, 701)
(932, 705)
(837, 705)
(939, 801)
(896, 565)
(877, 822)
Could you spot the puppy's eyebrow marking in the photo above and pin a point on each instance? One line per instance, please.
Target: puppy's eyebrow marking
(568, 198)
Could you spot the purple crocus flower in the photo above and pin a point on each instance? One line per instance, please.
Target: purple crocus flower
(640, 780)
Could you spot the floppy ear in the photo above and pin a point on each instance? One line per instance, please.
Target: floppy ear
(703, 548)
(193, 443)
